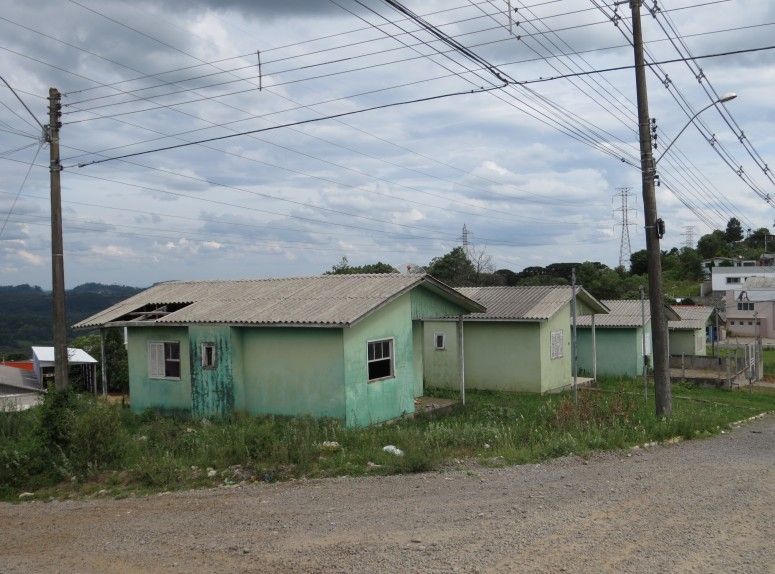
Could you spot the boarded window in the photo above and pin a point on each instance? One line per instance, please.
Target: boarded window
(164, 360)
(380, 359)
(556, 344)
(440, 342)
(208, 356)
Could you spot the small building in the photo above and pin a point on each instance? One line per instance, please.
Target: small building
(43, 364)
(689, 335)
(731, 278)
(522, 342)
(750, 309)
(620, 341)
(342, 346)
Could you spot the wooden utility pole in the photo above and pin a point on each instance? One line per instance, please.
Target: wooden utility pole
(643, 345)
(57, 250)
(663, 395)
(574, 347)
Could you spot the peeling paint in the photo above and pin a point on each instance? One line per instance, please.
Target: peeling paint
(212, 389)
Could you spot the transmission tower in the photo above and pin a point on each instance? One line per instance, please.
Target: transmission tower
(688, 235)
(465, 238)
(622, 198)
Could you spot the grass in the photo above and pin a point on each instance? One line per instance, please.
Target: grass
(74, 445)
(769, 361)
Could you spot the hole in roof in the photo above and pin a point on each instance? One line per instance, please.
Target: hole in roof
(152, 311)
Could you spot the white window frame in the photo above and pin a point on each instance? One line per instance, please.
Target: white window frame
(443, 341)
(202, 349)
(560, 334)
(392, 374)
(157, 367)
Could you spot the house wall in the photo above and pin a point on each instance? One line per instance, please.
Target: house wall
(618, 351)
(556, 373)
(368, 403)
(502, 356)
(426, 304)
(212, 390)
(292, 371)
(144, 392)
(417, 357)
(687, 341)
(441, 367)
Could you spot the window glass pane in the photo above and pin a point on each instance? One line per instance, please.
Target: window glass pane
(371, 351)
(439, 341)
(386, 348)
(379, 369)
(172, 350)
(172, 369)
(377, 351)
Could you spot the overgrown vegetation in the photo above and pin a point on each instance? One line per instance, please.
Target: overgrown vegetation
(74, 444)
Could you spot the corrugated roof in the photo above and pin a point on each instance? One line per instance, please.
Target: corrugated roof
(519, 303)
(692, 316)
(623, 313)
(750, 269)
(759, 283)
(325, 300)
(74, 356)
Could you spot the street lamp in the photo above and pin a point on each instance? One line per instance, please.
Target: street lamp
(723, 99)
(654, 230)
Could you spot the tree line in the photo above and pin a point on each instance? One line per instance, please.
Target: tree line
(682, 267)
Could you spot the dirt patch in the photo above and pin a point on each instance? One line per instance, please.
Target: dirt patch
(696, 506)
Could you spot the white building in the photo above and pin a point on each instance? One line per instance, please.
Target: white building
(733, 278)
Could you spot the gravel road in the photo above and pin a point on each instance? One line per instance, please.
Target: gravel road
(697, 506)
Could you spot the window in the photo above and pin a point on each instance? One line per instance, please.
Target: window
(750, 322)
(556, 344)
(745, 306)
(733, 279)
(208, 355)
(380, 359)
(439, 341)
(164, 360)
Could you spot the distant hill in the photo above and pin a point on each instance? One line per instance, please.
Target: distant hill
(25, 312)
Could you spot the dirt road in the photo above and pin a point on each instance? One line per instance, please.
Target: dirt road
(697, 506)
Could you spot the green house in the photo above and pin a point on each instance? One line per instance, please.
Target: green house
(341, 346)
(522, 343)
(688, 336)
(615, 345)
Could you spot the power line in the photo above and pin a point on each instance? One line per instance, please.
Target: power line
(19, 191)
(21, 101)
(301, 122)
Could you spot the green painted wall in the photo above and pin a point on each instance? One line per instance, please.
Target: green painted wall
(687, 342)
(292, 371)
(618, 351)
(212, 390)
(556, 373)
(383, 400)
(144, 392)
(417, 357)
(503, 356)
(426, 304)
(440, 368)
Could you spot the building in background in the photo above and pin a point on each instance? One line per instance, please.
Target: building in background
(521, 343)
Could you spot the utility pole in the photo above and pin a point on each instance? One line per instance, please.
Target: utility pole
(57, 250)
(654, 227)
(574, 341)
(643, 345)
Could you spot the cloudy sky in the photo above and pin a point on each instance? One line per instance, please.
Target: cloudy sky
(530, 169)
